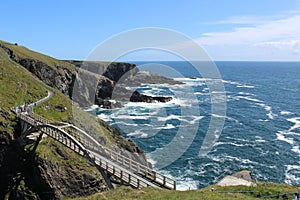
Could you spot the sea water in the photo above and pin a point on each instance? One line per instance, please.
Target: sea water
(261, 132)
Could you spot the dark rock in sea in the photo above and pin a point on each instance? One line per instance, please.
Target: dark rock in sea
(137, 97)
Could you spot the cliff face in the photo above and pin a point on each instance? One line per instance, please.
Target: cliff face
(52, 172)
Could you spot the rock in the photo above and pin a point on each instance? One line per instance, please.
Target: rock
(239, 178)
(62, 153)
(137, 97)
(113, 71)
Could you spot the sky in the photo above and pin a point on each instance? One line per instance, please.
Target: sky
(263, 30)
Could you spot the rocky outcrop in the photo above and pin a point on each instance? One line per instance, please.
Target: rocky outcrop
(71, 181)
(61, 78)
(137, 97)
(93, 82)
(113, 71)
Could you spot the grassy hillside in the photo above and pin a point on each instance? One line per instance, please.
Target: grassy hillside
(24, 53)
(219, 193)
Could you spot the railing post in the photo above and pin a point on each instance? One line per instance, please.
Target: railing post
(174, 185)
(164, 181)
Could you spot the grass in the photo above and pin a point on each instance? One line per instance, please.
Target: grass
(219, 193)
(47, 150)
(23, 53)
(17, 86)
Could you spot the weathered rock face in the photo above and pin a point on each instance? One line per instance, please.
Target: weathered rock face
(94, 82)
(113, 71)
(137, 97)
(61, 79)
(25, 175)
(71, 181)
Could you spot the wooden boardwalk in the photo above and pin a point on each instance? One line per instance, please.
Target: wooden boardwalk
(113, 163)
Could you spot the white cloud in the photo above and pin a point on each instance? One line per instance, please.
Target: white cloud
(263, 39)
(244, 20)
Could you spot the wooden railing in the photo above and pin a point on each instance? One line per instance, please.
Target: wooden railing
(128, 170)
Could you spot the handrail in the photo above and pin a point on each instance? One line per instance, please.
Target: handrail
(61, 136)
(131, 164)
(89, 145)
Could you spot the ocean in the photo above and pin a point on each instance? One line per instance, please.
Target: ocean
(261, 132)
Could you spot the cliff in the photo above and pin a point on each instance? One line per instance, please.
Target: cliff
(62, 75)
(52, 172)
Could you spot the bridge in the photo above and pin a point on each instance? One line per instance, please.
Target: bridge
(107, 161)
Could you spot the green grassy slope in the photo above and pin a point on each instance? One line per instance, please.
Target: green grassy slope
(219, 193)
(22, 53)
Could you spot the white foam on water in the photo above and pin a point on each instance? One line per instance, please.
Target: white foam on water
(223, 158)
(270, 113)
(104, 117)
(286, 112)
(246, 93)
(290, 177)
(91, 108)
(125, 124)
(245, 86)
(150, 160)
(201, 93)
(229, 143)
(169, 117)
(187, 184)
(259, 139)
(263, 120)
(281, 136)
(249, 99)
(131, 117)
(138, 134)
(296, 149)
(166, 127)
(196, 118)
(296, 121)
(230, 82)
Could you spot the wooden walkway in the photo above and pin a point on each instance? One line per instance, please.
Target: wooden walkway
(113, 163)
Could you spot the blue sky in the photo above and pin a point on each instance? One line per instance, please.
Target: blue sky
(226, 29)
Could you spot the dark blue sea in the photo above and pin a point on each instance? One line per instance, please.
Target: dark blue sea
(261, 132)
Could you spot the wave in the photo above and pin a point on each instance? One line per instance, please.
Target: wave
(249, 99)
(126, 124)
(246, 93)
(138, 134)
(229, 143)
(245, 86)
(187, 184)
(259, 139)
(104, 117)
(292, 174)
(167, 126)
(231, 82)
(281, 136)
(285, 112)
(91, 108)
(296, 149)
(270, 113)
(296, 121)
(191, 119)
(138, 117)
